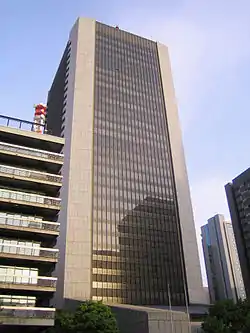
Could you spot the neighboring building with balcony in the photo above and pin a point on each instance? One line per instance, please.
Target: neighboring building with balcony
(30, 181)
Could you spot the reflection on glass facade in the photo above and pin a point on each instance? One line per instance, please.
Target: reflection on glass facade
(137, 252)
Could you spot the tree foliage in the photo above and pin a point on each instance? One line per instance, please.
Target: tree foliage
(228, 317)
(89, 317)
(212, 325)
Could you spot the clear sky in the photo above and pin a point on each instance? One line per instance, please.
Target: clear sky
(209, 43)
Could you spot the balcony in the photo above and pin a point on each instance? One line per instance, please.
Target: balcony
(35, 176)
(27, 226)
(19, 177)
(23, 254)
(15, 315)
(22, 155)
(26, 283)
(31, 203)
(19, 123)
(14, 129)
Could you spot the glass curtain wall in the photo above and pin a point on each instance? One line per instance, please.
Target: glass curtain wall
(137, 252)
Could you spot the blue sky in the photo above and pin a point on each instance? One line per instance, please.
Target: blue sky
(209, 44)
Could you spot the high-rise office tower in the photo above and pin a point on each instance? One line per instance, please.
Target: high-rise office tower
(238, 197)
(221, 260)
(30, 182)
(128, 233)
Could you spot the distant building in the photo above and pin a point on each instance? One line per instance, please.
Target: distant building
(238, 197)
(30, 182)
(221, 260)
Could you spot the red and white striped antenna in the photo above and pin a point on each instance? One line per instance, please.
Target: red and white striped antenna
(39, 117)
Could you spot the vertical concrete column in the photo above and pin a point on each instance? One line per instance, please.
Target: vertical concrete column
(75, 242)
(189, 241)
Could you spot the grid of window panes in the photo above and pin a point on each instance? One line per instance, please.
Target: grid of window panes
(241, 192)
(242, 198)
(239, 284)
(137, 252)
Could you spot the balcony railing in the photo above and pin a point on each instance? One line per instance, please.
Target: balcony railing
(54, 157)
(38, 281)
(26, 222)
(19, 123)
(27, 312)
(17, 300)
(35, 175)
(31, 251)
(29, 197)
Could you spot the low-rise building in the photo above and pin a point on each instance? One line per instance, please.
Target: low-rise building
(30, 181)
